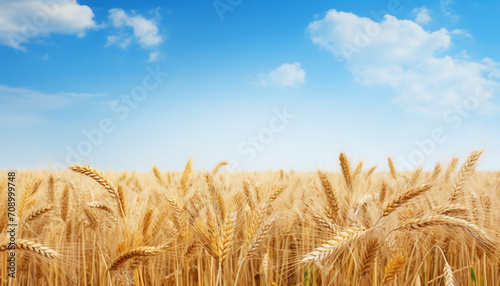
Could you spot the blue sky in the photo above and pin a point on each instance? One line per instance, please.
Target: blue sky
(125, 84)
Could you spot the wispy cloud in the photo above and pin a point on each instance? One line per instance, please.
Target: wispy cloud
(400, 54)
(448, 11)
(32, 98)
(20, 107)
(155, 56)
(286, 75)
(461, 32)
(21, 21)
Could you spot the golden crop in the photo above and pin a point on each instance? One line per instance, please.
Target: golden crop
(355, 227)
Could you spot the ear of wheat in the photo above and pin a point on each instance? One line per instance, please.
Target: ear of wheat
(483, 239)
(185, 175)
(346, 169)
(369, 256)
(394, 267)
(141, 251)
(333, 200)
(32, 247)
(333, 246)
(466, 171)
(392, 168)
(403, 198)
(218, 166)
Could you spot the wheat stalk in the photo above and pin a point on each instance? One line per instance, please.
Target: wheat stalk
(179, 214)
(393, 268)
(436, 172)
(403, 198)
(141, 251)
(31, 246)
(483, 240)
(102, 180)
(451, 168)
(218, 166)
(104, 207)
(358, 170)
(369, 256)
(331, 247)
(249, 195)
(346, 169)
(228, 235)
(370, 172)
(93, 223)
(217, 200)
(449, 280)
(321, 219)
(51, 190)
(65, 203)
(145, 225)
(415, 177)
(158, 176)
(36, 213)
(333, 200)
(451, 209)
(97, 175)
(185, 175)
(392, 168)
(466, 171)
(26, 198)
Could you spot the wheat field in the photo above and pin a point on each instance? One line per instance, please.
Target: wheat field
(358, 226)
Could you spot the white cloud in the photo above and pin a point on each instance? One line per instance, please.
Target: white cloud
(286, 75)
(132, 27)
(423, 16)
(21, 21)
(401, 55)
